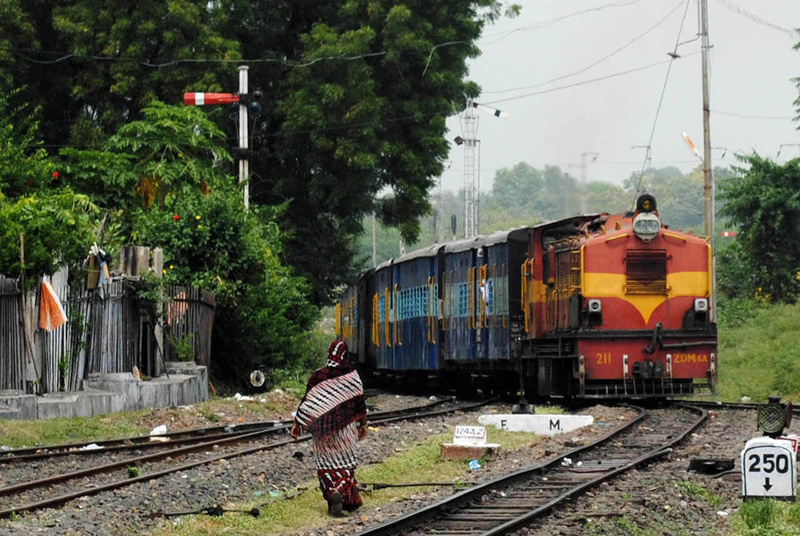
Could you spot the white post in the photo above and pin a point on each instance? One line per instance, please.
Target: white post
(243, 142)
(469, 127)
(374, 242)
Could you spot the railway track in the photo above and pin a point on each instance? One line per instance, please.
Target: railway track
(505, 504)
(174, 439)
(58, 489)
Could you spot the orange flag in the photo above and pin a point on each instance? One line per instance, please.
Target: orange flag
(51, 313)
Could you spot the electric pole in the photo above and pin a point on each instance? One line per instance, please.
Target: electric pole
(707, 179)
(584, 179)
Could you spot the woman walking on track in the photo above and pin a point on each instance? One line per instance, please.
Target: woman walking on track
(333, 410)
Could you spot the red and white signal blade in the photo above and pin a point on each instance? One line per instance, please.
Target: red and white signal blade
(691, 145)
(200, 99)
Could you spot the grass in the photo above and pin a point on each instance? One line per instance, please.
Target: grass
(696, 490)
(767, 518)
(759, 358)
(307, 511)
(19, 433)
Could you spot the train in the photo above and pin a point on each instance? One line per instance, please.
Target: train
(592, 306)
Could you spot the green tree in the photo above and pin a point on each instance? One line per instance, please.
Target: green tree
(24, 165)
(58, 227)
(518, 187)
(127, 54)
(340, 131)
(356, 96)
(764, 202)
(607, 197)
(163, 177)
(172, 150)
(56, 223)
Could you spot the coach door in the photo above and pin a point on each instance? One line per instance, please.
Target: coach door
(460, 277)
(382, 313)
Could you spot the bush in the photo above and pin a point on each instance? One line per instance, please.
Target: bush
(213, 243)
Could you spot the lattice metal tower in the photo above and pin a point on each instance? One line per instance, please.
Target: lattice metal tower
(472, 179)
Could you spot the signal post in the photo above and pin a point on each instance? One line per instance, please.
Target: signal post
(246, 103)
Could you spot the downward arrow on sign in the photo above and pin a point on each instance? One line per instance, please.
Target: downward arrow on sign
(767, 485)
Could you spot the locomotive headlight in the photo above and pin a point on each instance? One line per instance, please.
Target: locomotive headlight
(701, 305)
(646, 226)
(595, 306)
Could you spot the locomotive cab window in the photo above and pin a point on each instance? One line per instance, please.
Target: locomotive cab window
(646, 271)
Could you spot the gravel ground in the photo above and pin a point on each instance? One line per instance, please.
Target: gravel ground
(125, 511)
(664, 497)
(656, 496)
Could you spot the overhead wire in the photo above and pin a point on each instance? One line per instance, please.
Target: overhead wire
(550, 22)
(748, 116)
(601, 60)
(672, 58)
(758, 20)
(589, 81)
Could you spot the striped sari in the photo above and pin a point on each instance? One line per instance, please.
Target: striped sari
(330, 410)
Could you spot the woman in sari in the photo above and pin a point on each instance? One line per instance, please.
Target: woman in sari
(334, 412)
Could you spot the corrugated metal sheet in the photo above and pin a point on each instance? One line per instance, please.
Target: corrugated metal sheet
(105, 333)
(12, 346)
(190, 315)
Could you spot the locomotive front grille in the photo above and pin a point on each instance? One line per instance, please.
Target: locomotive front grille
(646, 271)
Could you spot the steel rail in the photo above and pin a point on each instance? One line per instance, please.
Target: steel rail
(647, 457)
(389, 416)
(716, 405)
(136, 446)
(176, 438)
(418, 517)
(464, 498)
(175, 452)
(143, 439)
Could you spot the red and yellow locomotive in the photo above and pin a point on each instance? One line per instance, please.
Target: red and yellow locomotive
(619, 307)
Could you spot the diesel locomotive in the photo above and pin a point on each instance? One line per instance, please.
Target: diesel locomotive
(594, 306)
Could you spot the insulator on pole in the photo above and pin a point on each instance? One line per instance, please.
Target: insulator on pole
(200, 99)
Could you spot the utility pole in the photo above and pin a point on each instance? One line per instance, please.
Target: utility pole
(707, 179)
(244, 167)
(584, 179)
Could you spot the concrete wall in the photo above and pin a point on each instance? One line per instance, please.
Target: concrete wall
(108, 393)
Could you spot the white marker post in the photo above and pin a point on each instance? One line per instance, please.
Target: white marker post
(769, 469)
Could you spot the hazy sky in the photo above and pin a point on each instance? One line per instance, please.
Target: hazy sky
(751, 66)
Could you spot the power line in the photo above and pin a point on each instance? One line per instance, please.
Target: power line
(550, 22)
(747, 116)
(604, 58)
(592, 80)
(758, 20)
(64, 56)
(672, 58)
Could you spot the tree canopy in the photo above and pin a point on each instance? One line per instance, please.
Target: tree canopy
(356, 96)
(763, 201)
